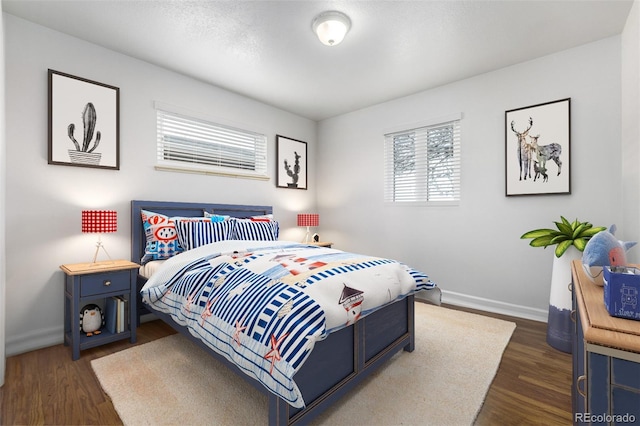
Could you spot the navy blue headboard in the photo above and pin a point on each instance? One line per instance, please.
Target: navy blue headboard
(170, 208)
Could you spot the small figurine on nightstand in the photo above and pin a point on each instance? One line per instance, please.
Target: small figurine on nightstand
(316, 238)
(91, 319)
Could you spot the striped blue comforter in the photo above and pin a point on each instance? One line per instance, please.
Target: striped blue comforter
(264, 305)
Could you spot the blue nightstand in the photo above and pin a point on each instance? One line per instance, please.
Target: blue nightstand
(95, 283)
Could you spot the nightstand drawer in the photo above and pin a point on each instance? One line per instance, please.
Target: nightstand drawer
(95, 284)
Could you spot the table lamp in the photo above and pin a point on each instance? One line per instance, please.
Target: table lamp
(308, 220)
(99, 222)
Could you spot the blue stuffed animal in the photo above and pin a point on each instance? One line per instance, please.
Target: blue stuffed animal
(604, 249)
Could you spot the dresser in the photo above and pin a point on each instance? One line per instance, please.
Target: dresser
(606, 358)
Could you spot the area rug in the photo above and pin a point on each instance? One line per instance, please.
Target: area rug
(443, 382)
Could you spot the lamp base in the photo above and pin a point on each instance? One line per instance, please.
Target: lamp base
(306, 237)
(99, 246)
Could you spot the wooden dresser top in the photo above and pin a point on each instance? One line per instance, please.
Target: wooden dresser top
(599, 327)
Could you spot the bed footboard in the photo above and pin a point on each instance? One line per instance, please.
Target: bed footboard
(345, 358)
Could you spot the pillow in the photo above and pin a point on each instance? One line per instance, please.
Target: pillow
(216, 217)
(162, 237)
(260, 230)
(263, 218)
(196, 233)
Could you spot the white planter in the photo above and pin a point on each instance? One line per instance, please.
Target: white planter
(559, 324)
(81, 157)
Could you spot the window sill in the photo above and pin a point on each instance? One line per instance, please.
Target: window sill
(233, 174)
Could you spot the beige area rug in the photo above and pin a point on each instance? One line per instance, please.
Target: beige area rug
(443, 382)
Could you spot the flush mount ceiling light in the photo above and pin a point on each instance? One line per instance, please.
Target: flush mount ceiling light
(331, 27)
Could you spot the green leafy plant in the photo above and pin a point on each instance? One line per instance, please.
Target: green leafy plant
(568, 234)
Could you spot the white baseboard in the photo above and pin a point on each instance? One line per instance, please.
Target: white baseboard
(495, 306)
(54, 335)
(44, 338)
(37, 339)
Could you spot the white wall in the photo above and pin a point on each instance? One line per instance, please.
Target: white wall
(2, 208)
(473, 250)
(631, 125)
(44, 201)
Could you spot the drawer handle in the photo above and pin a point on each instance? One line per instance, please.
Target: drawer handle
(570, 287)
(573, 315)
(581, 379)
(106, 283)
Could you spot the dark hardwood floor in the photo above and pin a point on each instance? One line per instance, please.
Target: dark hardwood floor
(533, 383)
(45, 387)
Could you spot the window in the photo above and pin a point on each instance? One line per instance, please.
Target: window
(422, 165)
(196, 145)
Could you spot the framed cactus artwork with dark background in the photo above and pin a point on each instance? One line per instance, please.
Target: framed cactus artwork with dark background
(84, 122)
(291, 170)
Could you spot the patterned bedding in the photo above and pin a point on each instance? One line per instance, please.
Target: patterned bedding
(264, 304)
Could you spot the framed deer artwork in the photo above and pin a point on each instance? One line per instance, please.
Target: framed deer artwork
(538, 149)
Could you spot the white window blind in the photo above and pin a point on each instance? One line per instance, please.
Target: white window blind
(422, 165)
(197, 145)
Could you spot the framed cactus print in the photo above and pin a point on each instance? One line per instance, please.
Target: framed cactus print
(84, 122)
(291, 169)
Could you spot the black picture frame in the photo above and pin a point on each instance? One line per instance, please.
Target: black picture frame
(538, 149)
(84, 122)
(291, 166)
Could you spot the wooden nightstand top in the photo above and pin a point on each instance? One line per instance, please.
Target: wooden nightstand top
(321, 244)
(103, 266)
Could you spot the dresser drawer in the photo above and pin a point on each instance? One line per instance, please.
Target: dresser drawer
(625, 373)
(96, 284)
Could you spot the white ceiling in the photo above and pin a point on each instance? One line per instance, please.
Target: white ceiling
(267, 51)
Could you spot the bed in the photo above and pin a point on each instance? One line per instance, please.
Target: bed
(331, 360)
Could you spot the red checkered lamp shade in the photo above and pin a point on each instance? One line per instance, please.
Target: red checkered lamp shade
(308, 219)
(99, 221)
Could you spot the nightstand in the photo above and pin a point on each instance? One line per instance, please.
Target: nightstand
(321, 244)
(95, 283)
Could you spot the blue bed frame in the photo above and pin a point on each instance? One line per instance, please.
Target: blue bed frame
(336, 365)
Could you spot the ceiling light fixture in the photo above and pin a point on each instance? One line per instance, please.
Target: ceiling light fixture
(331, 27)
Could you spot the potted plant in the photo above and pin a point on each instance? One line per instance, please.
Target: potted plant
(568, 234)
(570, 239)
(293, 174)
(84, 154)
